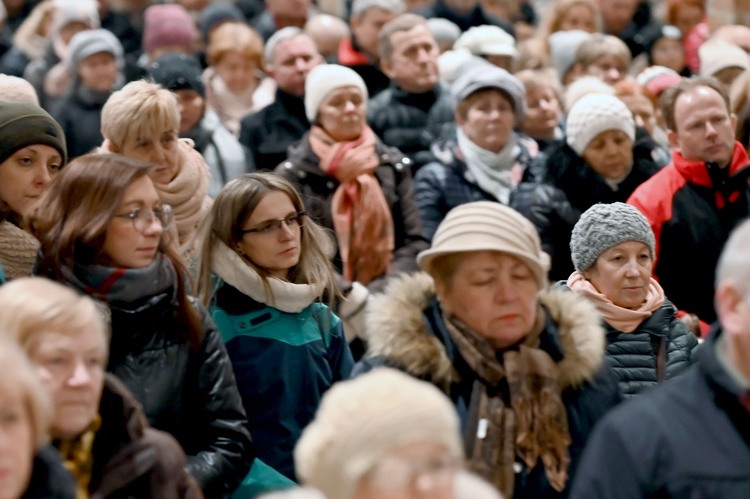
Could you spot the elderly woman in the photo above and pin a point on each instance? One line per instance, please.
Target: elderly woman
(613, 251)
(32, 152)
(487, 159)
(28, 467)
(543, 118)
(601, 160)
(142, 121)
(355, 186)
(525, 371)
(97, 426)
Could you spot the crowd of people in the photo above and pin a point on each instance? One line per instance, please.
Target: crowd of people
(373, 249)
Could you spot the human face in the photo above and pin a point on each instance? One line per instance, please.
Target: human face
(99, 71)
(727, 76)
(669, 53)
(291, 9)
(643, 111)
(609, 68)
(542, 112)
(292, 61)
(71, 364)
(275, 251)
(494, 294)
(26, 175)
(413, 64)
(610, 154)
(687, 18)
(414, 471)
(617, 14)
(366, 28)
(623, 273)
(237, 71)
(16, 442)
(489, 120)
(161, 153)
(342, 113)
(705, 129)
(192, 106)
(579, 17)
(124, 246)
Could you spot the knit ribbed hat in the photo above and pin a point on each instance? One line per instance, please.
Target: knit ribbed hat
(594, 114)
(168, 25)
(563, 46)
(23, 124)
(716, 55)
(488, 226)
(323, 80)
(175, 71)
(359, 421)
(479, 77)
(93, 41)
(604, 226)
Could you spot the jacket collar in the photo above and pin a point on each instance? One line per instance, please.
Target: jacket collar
(696, 172)
(292, 104)
(350, 55)
(729, 393)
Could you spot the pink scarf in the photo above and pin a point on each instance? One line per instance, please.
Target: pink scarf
(622, 319)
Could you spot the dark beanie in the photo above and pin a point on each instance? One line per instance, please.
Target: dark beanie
(24, 124)
(216, 13)
(176, 71)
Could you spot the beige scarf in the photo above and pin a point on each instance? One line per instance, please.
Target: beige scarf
(533, 427)
(231, 106)
(622, 319)
(18, 250)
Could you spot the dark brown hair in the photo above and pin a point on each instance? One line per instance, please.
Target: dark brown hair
(72, 218)
(669, 97)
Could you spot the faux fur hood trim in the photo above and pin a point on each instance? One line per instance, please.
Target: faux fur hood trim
(398, 332)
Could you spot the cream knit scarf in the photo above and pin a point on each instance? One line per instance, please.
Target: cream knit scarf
(495, 173)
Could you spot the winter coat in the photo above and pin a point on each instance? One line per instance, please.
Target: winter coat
(350, 55)
(131, 459)
(446, 182)
(407, 332)
(476, 17)
(269, 132)
(317, 189)
(49, 478)
(569, 187)
(690, 216)
(412, 122)
(195, 398)
(687, 438)
(283, 363)
(80, 116)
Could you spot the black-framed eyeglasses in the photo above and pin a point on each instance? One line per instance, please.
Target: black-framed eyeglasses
(293, 222)
(142, 218)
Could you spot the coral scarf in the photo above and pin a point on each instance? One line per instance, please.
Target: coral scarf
(362, 218)
(622, 319)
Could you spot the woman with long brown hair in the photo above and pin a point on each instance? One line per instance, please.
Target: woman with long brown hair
(104, 231)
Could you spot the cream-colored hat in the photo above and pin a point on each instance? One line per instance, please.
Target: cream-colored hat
(488, 226)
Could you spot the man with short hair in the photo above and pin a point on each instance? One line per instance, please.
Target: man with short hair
(689, 437)
(694, 203)
(290, 54)
(416, 109)
(360, 51)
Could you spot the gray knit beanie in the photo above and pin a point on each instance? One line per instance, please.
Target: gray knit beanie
(604, 226)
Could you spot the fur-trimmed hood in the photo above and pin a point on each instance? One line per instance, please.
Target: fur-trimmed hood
(398, 332)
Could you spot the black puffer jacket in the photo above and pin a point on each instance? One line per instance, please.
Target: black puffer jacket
(190, 394)
(568, 188)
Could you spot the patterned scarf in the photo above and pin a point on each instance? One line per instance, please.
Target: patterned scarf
(78, 458)
(533, 427)
(362, 218)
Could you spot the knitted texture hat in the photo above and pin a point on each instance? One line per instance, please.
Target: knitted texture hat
(168, 25)
(487, 40)
(359, 421)
(23, 124)
(323, 80)
(563, 46)
(15, 89)
(175, 71)
(93, 41)
(716, 55)
(479, 77)
(604, 226)
(488, 226)
(594, 114)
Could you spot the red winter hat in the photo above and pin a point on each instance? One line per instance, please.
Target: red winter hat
(168, 25)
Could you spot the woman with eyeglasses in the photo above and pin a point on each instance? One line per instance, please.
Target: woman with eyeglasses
(272, 269)
(104, 231)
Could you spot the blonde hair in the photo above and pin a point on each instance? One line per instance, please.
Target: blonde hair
(235, 37)
(231, 209)
(535, 78)
(139, 110)
(600, 45)
(557, 12)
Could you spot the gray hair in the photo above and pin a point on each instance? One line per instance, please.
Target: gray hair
(282, 35)
(359, 7)
(734, 264)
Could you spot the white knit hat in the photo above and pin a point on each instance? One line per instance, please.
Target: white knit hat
(716, 55)
(324, 79)
(488, 226)
(487, 40)
(360, 421)
(594, 114)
